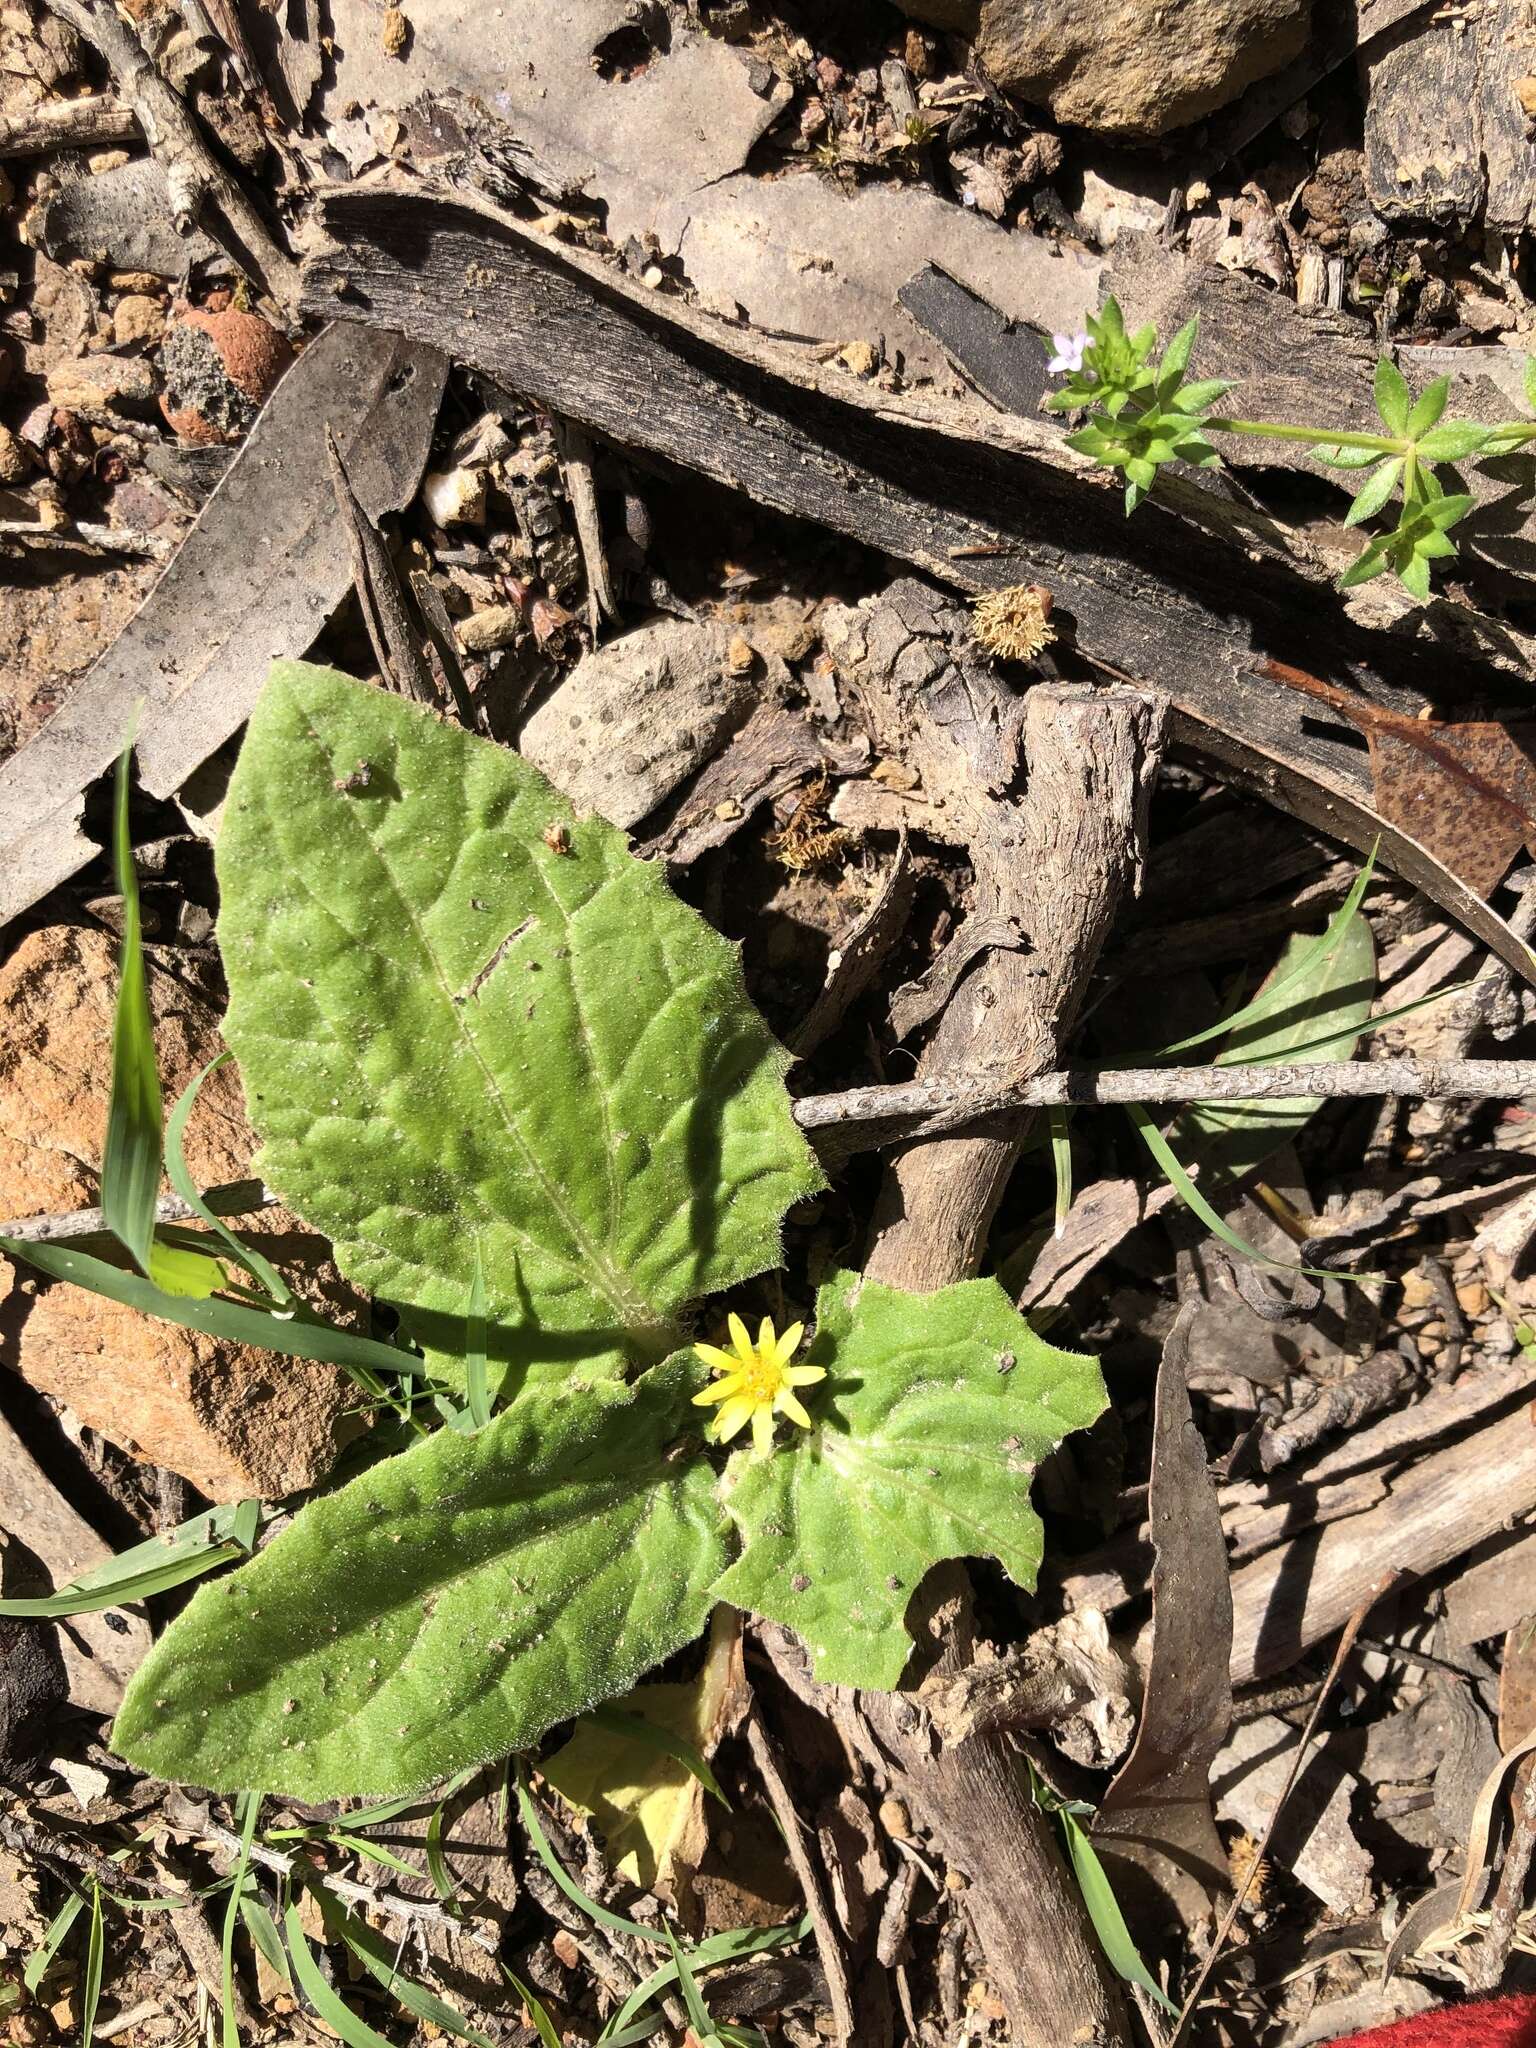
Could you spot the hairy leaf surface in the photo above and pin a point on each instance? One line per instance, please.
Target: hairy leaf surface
(445, 1607)
(468, 1020)
(927, 1431)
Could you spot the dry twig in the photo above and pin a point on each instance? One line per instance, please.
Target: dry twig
(1352, 1628)
(947, 1101)
(202, 194)
(828, 1944)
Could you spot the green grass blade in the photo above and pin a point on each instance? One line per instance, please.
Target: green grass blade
(1226, 1140)
(210, 1539)
(296, 1336)
(729, 1947)
(307, 1974)
(566, 1882)
(1191, 1196)
(142, 1585)
(248, 1808)
(1104, 1911)
(437, 1866)
(351, 1823)
(95, 1950)
(698, 2013)
(1271, 998)
(130, 1167)
(1310, 1046)
(262, 1929)
(181, 1180)
(1061, 1160)
(378, 1958)
(42, 1956)
(373, 1852)
(544, 2026)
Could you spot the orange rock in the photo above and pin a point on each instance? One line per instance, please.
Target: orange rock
(220, 366)
(233, 1420)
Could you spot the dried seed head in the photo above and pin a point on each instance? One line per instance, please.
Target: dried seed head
(1016, 622)
(1248, 1868)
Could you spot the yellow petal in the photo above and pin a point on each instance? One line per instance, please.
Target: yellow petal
(789, 1404)
(805, 1375)
(722, 1390)
(762, 1428)
(765, 1337)
(786, 1346)
(739, 1338)
(734, 1416)
(718, 1360)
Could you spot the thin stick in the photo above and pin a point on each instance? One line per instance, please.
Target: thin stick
(865, 1117)
(198, 187)
(396, 642)
(388, 1905)
(235, 1198)
(1351, 1629)
(828, 1944)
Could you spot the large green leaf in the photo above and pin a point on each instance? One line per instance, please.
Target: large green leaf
(926, 1434)
(446, 1606)
(468, 1021)
(1318, 1018)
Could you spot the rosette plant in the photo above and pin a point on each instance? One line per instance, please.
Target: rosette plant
(521, 1088)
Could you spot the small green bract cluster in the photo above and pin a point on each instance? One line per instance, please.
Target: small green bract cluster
(1139, 416)
(1144, 412)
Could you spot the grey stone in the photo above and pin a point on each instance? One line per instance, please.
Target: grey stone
(636, 717)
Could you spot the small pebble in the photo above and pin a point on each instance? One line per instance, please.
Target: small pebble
(497, 626)
(1418, 1289)
(895, 1819)
(137, 320)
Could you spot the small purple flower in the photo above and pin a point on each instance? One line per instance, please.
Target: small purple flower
(1069, 352)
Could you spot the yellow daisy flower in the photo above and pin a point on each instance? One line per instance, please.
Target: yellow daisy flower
(756, 1382)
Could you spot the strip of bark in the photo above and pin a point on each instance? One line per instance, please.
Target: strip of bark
(1343, 1482)
(89, 123)
(197, 651)
(1157, 1812)
(1440, 1507)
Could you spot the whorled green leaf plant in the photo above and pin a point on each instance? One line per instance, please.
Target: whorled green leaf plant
(521, 1087)
(1143, 412)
